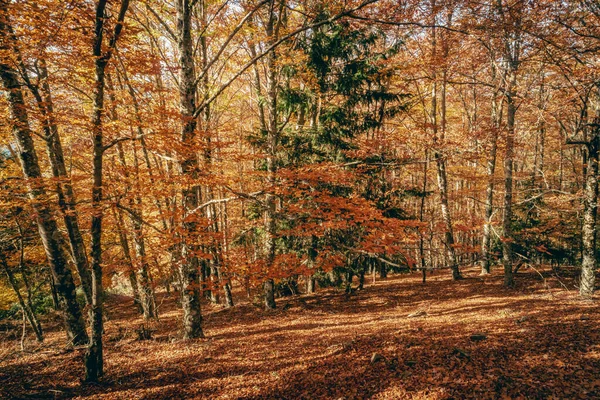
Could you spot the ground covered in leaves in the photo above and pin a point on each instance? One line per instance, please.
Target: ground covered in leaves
(395, 339)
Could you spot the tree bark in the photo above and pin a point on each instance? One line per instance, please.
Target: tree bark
(511, 110)
(590, 201)
(124, 241)
(496, 117)
(421, 215)
(64, 189)
(144, 290)
(94, 359)
(66, 195)
(26, 307)
(272, 31)
(439, 157)
(48, 229)
(189, 268)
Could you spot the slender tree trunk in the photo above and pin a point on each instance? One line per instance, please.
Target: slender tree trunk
(272, 30)
(421, 215)
(496, 116)
(144, 290)
(310, 284)
(224, 250)
(489, 206)
(312, 255)
(48, 229)
(64, 189)
(439, 157)
(511, 56)
(26, 307)
(189, 266)
(94, 363)
(67, 199)
(124, 241)
(29, 300)
(590, 201)
(512, 50)
(94, 359)
(507, 252)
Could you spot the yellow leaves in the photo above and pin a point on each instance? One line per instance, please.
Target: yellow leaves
(7, 296)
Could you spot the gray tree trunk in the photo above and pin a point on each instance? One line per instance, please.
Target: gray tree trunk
(496, 117)
(511, 110)
(64, 189)
(189, 271)
(439, 157)
(272, 31)
(590, 202)
(144, 290)
(48, 229)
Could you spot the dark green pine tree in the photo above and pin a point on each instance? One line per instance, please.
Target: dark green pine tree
(351, 100)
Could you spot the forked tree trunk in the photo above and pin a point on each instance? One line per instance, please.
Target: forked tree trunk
(64, 189)
(48, 229)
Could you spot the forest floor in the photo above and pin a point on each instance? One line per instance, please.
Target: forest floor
(535, 341)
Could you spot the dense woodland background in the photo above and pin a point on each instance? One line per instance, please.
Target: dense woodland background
(215, 152)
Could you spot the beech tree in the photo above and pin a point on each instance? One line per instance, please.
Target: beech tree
(198, 152)
(48, 229)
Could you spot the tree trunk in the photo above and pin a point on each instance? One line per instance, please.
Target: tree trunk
(312, 255)
(48, 229)
(66, 195)
(124, 241)
(439, 157)
(269, 293)
(26, 307)
(590, 202)
(383, 271)
(228, 295)
(511, 109)
(272, 29)
(310, 284)
(94, 359)
(189, 266)
(94, 363)
(64, 189)
(143, 289)
(421, 215)
(496, 117)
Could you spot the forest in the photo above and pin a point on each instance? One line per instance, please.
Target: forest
(299, 199)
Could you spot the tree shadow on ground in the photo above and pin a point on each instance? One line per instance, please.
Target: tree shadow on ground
(539, 342)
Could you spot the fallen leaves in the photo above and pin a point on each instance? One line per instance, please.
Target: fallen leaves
(324, 346)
